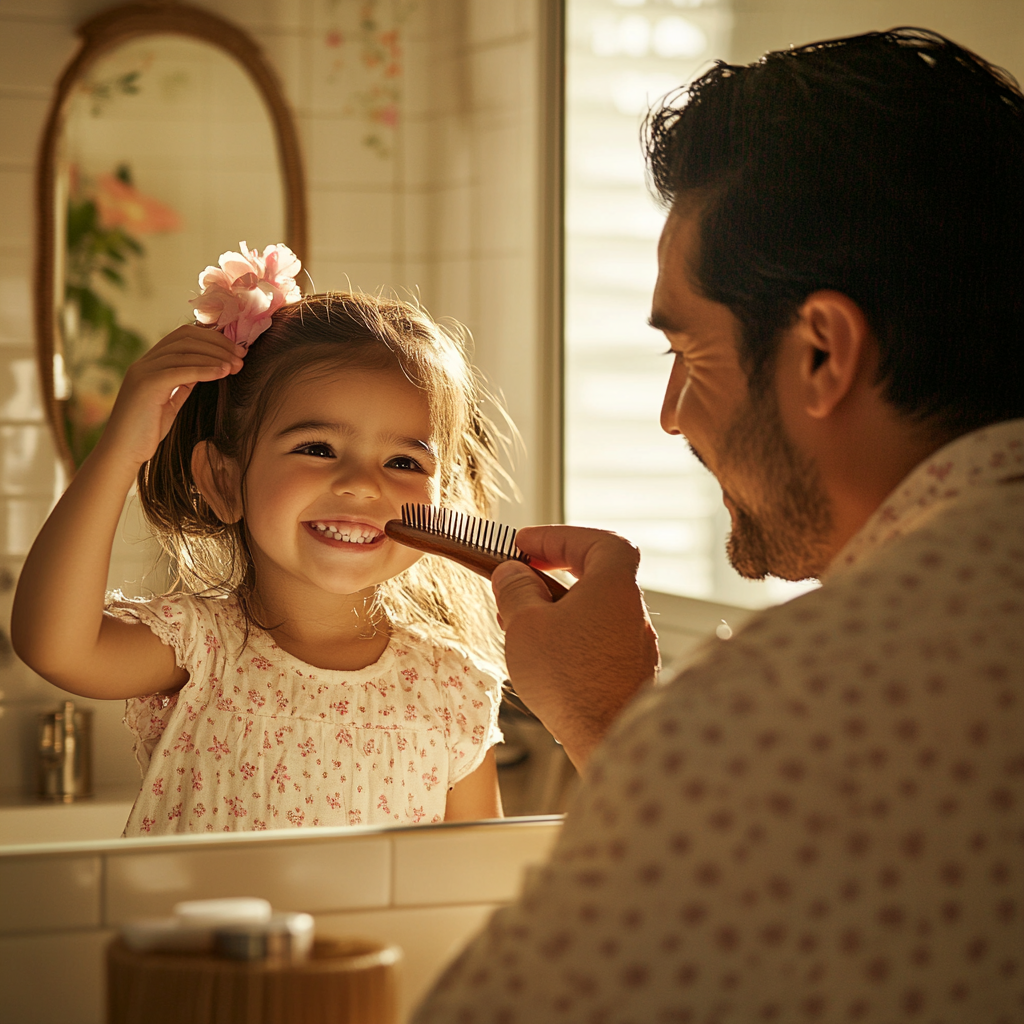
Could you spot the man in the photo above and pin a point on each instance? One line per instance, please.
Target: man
(822, 818)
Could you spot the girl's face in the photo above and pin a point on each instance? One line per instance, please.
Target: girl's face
(337, 459)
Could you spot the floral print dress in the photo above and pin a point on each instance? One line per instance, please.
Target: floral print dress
(258, 739)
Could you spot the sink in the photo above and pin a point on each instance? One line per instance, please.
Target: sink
(25, 821)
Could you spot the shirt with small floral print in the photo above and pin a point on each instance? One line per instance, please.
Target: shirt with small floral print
(257, 739)
(822, 819)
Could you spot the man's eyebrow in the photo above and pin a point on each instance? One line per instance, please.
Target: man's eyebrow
(662, 322)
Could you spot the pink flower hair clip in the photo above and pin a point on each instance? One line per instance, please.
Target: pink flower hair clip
(240, 297)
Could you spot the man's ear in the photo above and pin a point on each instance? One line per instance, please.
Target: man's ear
(834, 347)
(218, 480)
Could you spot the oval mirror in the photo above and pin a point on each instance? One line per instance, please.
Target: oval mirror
(168, 142)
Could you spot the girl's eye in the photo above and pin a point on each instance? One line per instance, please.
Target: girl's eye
(404, 462)
(317, 450)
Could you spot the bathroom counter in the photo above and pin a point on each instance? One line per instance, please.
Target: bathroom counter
(26, 820)
(426, 888)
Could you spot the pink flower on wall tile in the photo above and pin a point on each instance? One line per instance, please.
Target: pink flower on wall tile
(365, 42)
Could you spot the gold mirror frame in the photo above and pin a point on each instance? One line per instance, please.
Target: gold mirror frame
(100, 35)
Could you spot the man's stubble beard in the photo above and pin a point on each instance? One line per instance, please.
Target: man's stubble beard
(788, 534)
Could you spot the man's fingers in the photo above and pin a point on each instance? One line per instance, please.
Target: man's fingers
(517, 587)
(578, 549)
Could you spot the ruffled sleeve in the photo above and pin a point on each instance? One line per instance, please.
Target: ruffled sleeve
(473, 695)
(177, 621)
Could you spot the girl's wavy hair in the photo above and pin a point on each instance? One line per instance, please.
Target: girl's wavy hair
(436, 599)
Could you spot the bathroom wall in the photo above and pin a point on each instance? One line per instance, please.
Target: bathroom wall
(424, 147)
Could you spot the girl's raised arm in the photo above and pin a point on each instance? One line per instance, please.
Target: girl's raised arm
(58, 626)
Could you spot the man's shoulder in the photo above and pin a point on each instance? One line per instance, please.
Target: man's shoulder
(963, 562)
(949, 593)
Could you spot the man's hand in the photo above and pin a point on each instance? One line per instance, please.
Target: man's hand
(578, 662)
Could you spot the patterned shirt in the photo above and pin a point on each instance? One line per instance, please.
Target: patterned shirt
(820, 820)
(257, 739)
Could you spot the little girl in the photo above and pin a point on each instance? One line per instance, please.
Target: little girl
(309, 670)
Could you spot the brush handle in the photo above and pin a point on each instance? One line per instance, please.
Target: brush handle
(473, 558)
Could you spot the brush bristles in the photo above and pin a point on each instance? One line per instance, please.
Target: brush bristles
(480, 534)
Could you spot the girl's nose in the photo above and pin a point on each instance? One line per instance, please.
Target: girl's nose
(356, 480)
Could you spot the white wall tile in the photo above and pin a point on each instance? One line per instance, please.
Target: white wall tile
(287, 53)
(49, 893)
(307, 875)
(355, 274)
(53, 979)
(482, 864)
(489, 22)
(417, 225)
(505, 194)
(113, 763)
(21, 124)
(437, 80)
(352, 224)
(34, 53)
(444, 147)
(454, 290)
(71, 12)
(338, 156)
(254, 15)
(438, 223)
(20, 520)
(20, 394)
(17, 739)
(452, 222)
(505, 327)
(430, 938)
(16, 327)
(27, 465)
(16, 187)
(502, 78)
(504, 323)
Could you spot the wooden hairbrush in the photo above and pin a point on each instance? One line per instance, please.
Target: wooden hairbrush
(478, 544)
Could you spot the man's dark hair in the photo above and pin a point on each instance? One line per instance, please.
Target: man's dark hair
(887, 166)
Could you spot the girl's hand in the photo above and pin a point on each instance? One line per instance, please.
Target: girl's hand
(156, 386)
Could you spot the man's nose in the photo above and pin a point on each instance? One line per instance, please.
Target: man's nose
(670, 403)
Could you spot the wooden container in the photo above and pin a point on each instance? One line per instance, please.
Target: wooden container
(344, 981)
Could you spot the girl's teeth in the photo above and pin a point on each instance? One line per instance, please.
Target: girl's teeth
(354, 535)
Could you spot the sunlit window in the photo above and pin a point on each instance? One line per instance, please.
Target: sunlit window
(622, 472)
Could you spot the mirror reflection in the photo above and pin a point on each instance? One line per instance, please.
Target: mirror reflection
(167, 157)
(165, 154)
(146, 186)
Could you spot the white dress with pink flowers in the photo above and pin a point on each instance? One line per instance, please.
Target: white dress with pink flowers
(257, 739)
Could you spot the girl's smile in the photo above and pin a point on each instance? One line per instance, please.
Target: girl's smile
(341, 454)
(345, 533)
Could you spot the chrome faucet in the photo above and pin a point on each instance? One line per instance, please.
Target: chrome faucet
(65, 754)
